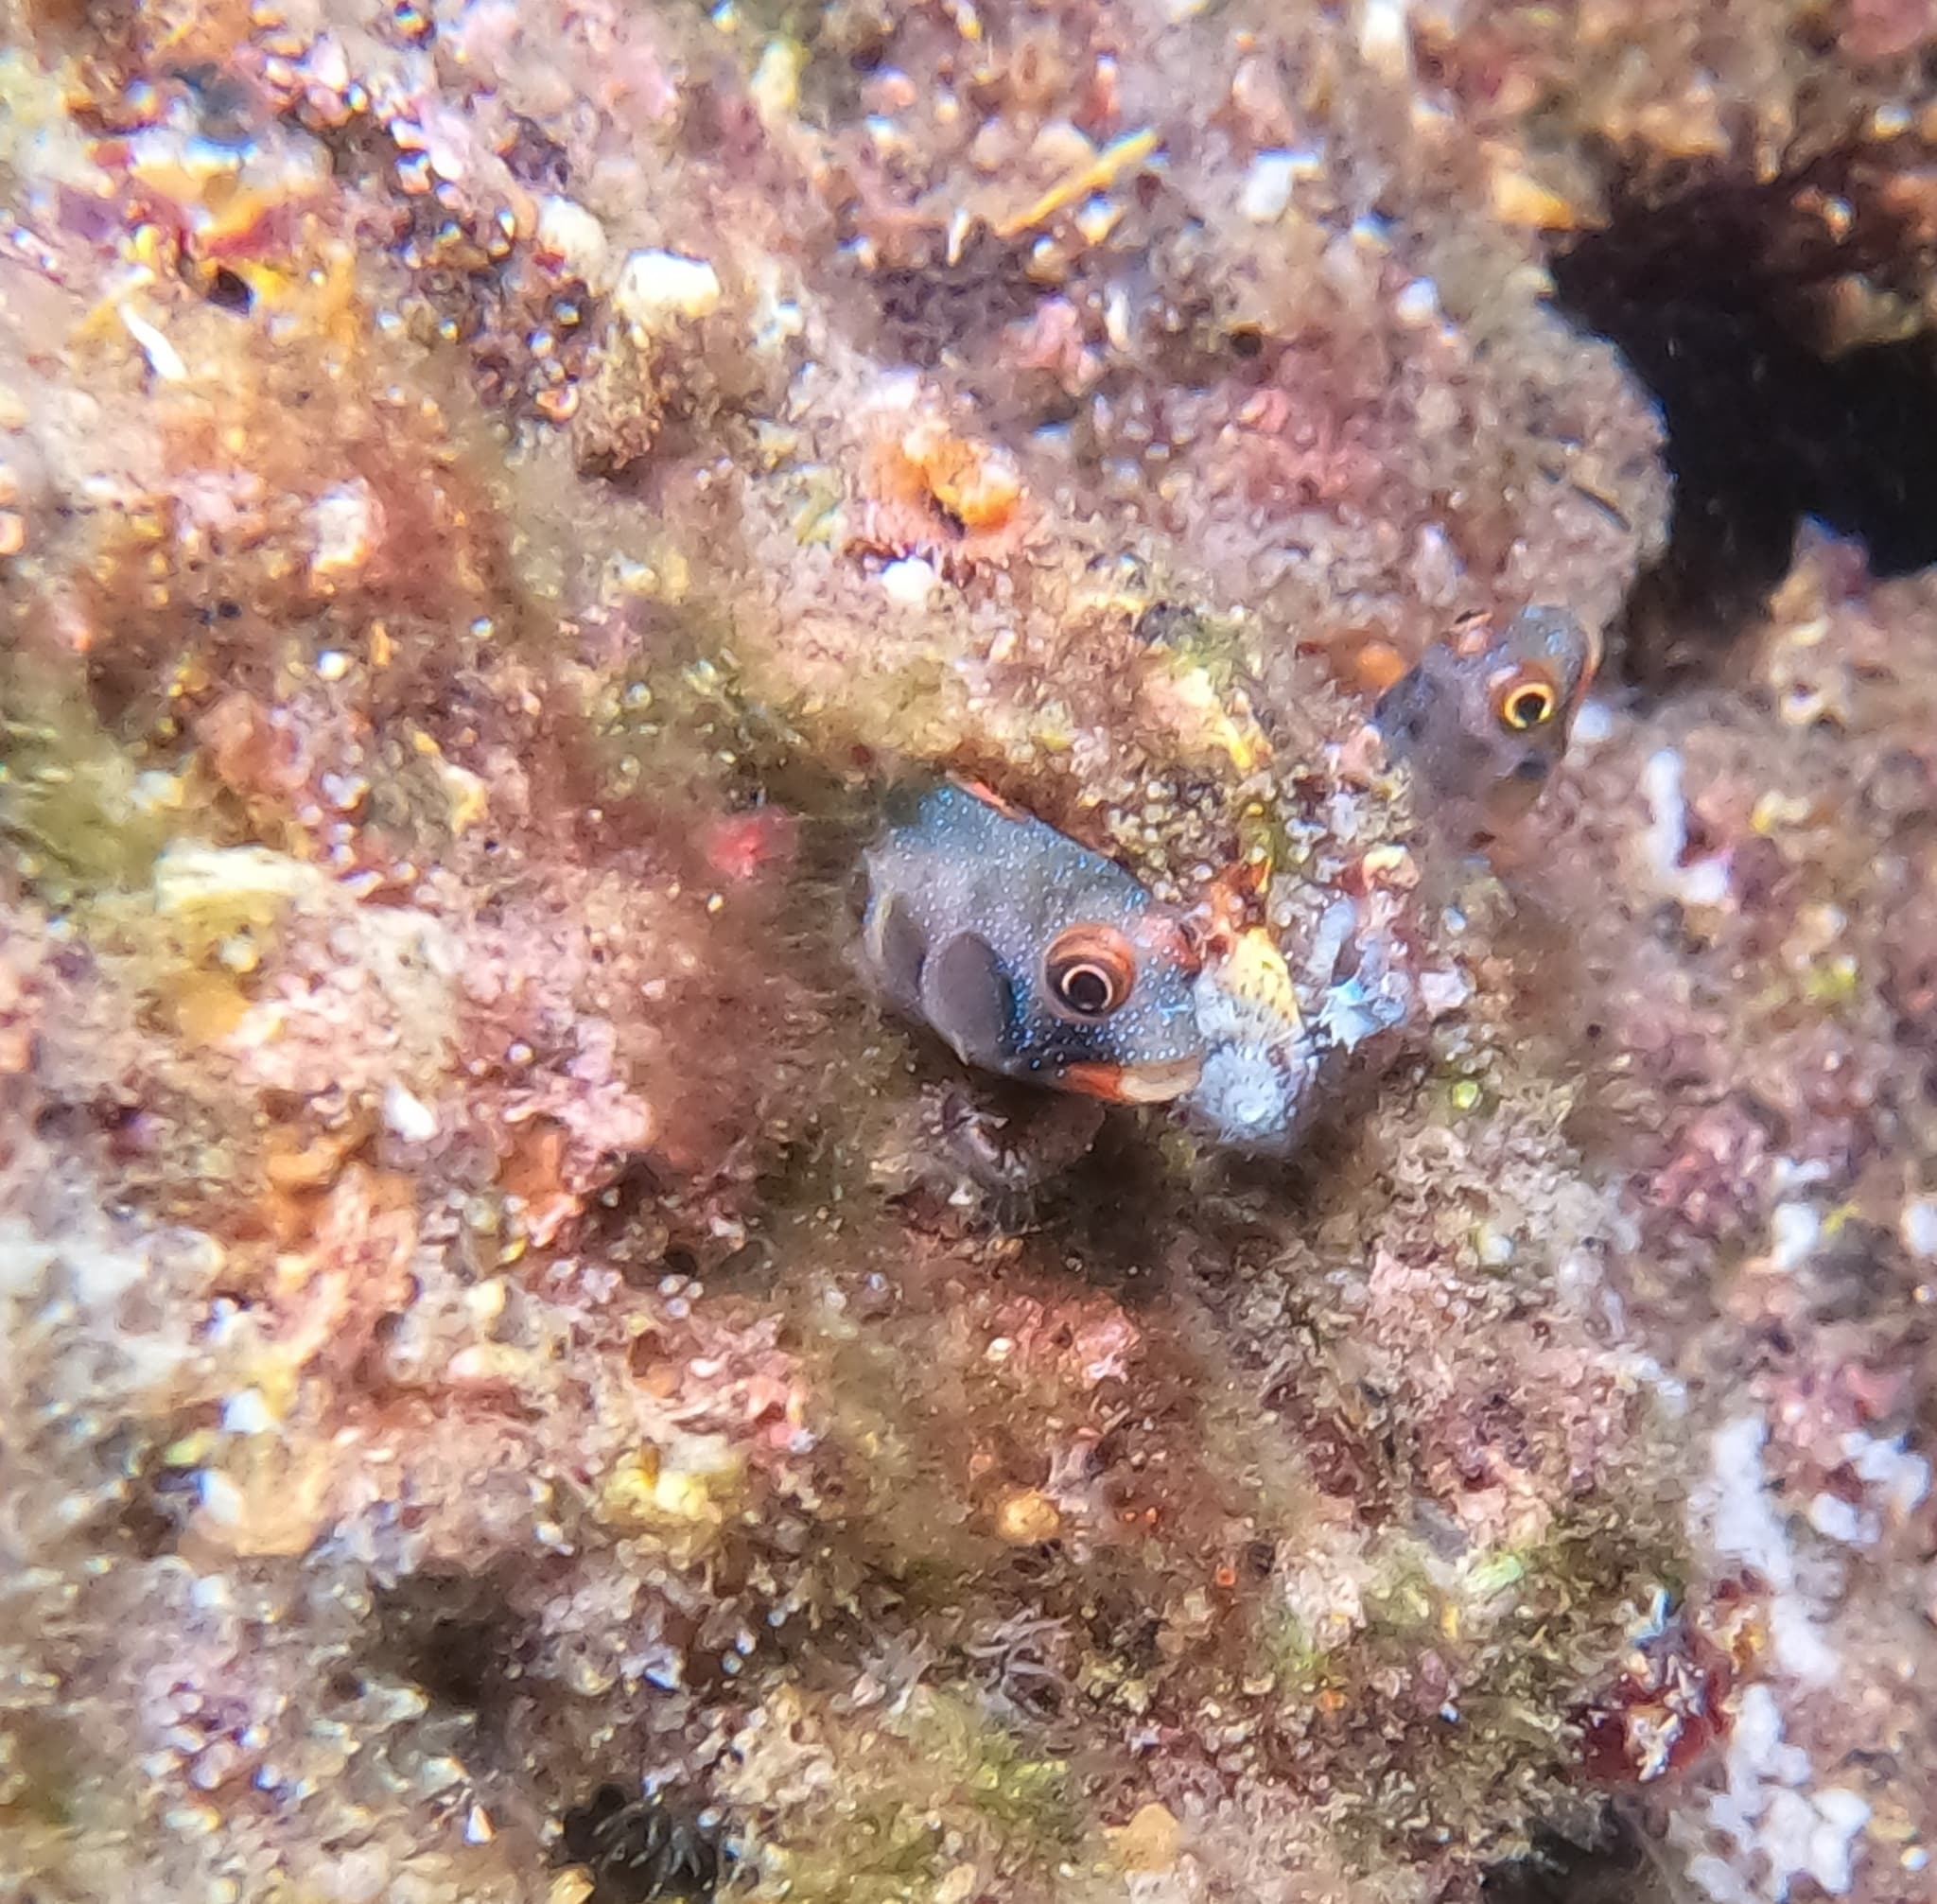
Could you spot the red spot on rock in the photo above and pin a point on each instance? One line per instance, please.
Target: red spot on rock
(1668, 1706)
(744, 847)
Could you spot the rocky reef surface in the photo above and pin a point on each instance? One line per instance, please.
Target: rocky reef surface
(502, 1397)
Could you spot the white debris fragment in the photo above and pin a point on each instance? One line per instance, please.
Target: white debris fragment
(247, 1413)
(344, 524)
(1778, 1828)
(406, 1116)
(570, 236)
(1918, 1226)
(910, 583)
(1418, 304)
(1883, 1463)
(1705, 883)
(1836, 1519)
(1593, 724)
(162, 357)
(1443, 990)
(1796, 1228)
(659, 289)
(1735, 1510)
(776, 84)
(1267, 189)
(221, 1499)
(1840, 1816)
(189, 878)
(1384, 37)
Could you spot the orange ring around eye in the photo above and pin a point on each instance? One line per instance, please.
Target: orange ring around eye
(1089, 971)
(1524, 699)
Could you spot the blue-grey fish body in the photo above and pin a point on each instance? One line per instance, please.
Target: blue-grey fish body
(1029, 955)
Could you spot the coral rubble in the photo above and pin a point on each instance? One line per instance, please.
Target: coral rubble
(498, 1401)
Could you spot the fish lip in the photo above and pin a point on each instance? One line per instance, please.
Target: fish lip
(1156, 1083)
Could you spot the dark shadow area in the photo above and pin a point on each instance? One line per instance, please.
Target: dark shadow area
(455, 1636)
(1719, 301)
(641, 1850)
(1619, 1870)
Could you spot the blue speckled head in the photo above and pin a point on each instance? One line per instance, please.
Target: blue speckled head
(1028, 954)
(1483, 718)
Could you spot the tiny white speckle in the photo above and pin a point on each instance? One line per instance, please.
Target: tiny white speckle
(656, 288)
(407, 1115)
(332, 665)
(1835, 1519)
(221, 1499)
(162, 357)
(1418, 304)
(246, 1413)
(1593, 724)
(1384, 37)
(910, 583)
(1919, 1227)
(573, 235)
(1795, 1230)
(477, 1827)
(1882, 1461)
(1267, 189)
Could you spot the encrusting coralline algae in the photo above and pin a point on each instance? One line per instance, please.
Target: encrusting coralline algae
(504, 1397)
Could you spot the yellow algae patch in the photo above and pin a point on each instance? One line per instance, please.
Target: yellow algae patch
(682, 1491)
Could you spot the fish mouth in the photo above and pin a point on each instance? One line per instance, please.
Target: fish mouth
(1156, 1083)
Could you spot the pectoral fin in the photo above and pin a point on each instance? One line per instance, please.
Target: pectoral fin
(967, 996)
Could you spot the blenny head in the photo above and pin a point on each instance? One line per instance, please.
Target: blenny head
(1484, 717)
(1028, 954)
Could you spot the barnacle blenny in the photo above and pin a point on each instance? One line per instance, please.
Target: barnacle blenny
(1483, 718)
(1029, 955)
(1480, 723)
(1038, 959)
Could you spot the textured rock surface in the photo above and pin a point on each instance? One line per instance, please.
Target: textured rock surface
(495, 1405)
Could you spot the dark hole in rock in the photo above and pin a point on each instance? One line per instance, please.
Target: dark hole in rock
(453, 1635)
(229, 291)
(953, 307)
(1723, 301)
(639, 1850)
(1619, 1868)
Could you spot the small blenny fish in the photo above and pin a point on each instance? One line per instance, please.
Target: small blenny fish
(1029, 955)
(1483, 718)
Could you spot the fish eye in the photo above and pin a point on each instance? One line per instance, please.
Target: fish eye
(1525, 701)
(1091, 970)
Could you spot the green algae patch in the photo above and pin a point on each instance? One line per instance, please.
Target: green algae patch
(78, 813)
(881, 1806)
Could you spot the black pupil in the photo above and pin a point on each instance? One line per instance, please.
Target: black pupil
(1528, 707)
(1086, 988)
